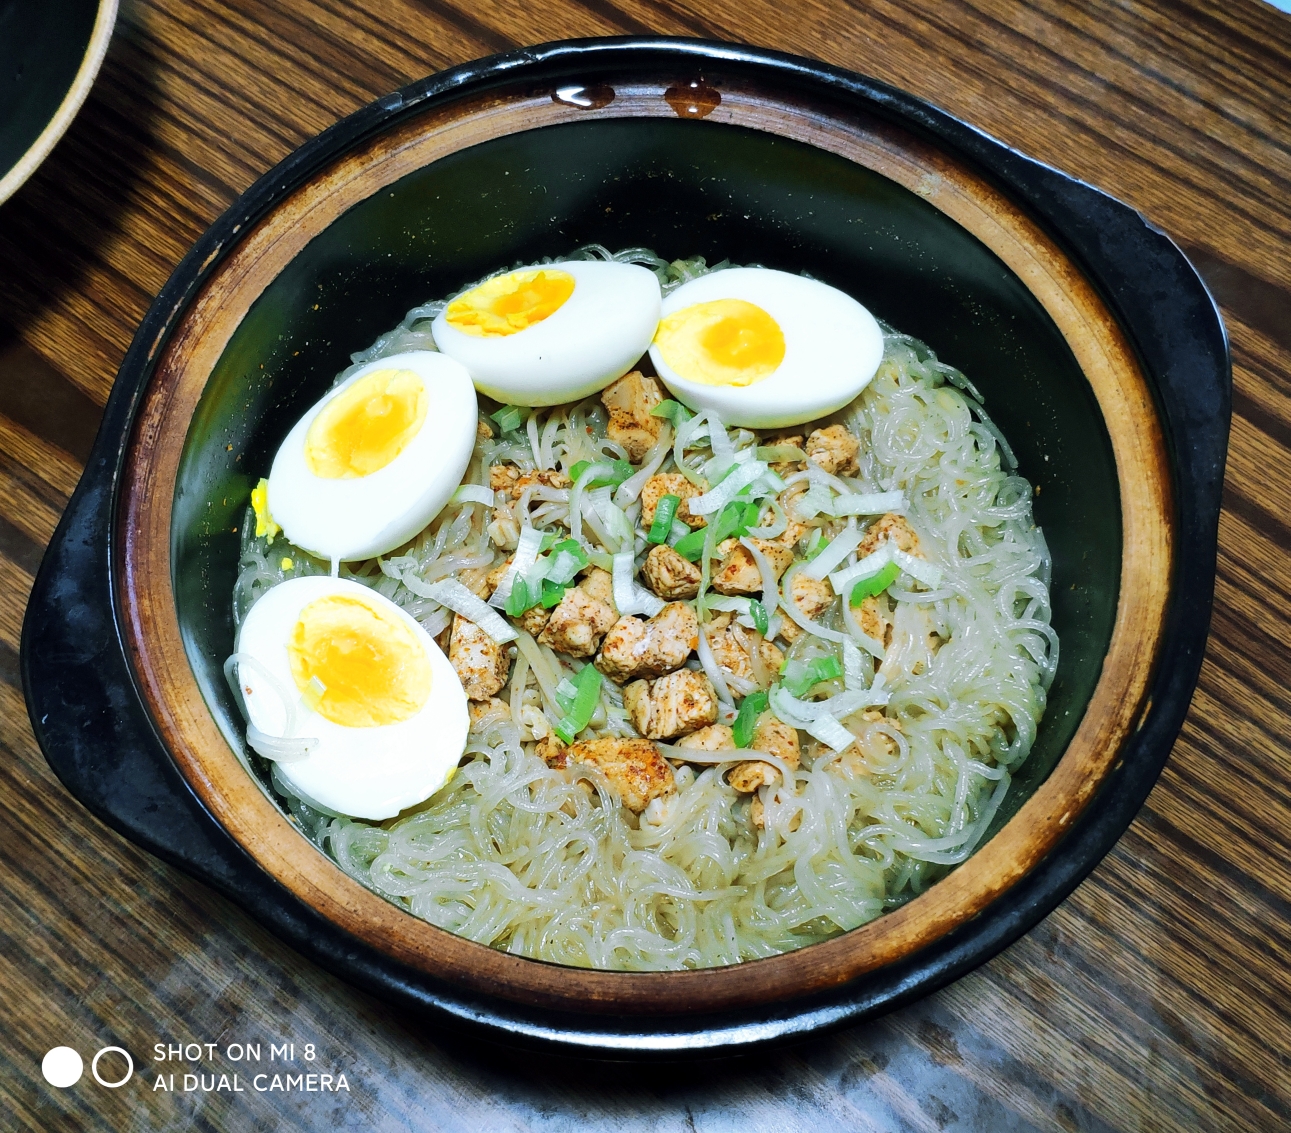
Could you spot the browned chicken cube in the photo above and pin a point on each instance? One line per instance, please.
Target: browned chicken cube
(731, 649)
(775, 737)
(508, 479)
(482, 711)
(748, 776)
(634, 768)
(481, 663)
(890, 528)
(586, 611)
(669, 575)
(875, 619)
(834, 449)
(785, 467)
(629, 401)
(738, 573)
(636, 648)
(813, 596)
(671, 706)
(716, 737)
(670, 484)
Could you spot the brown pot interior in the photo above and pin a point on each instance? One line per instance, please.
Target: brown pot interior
(517, 174)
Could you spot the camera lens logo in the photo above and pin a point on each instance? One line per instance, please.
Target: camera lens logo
(63, 1067)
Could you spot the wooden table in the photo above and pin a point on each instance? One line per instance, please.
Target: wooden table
(1156, 998)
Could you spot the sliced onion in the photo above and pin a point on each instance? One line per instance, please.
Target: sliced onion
(521, 563)
(778, 525)
(473, 494)
(717, 498)
(718, 439)
(435, 624)
(853, 667)
(829, 730)
(869, 503)
(451, 593)
(866, 642)
(628, 596)
(871, 564)
(630, 489)
(799, 618)
(835, 552)
(712, 670)
(919, 569)
(770, 587)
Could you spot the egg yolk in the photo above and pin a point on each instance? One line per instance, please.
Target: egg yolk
(367, 426)
(357, 665)
(265, 524)
(725, 342)
(508, 304)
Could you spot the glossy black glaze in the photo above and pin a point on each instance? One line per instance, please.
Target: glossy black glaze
(89, 721)
(41, 49)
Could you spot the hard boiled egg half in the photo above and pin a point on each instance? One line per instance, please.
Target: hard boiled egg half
(377, 458)
(551, 333)
(763, 348)
(335, 663)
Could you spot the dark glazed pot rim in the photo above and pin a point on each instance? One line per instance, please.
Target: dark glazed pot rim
(1181, 347)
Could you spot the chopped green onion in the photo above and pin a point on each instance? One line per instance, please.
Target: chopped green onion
(549, 541)
(691, 546)
(519, 600)
(674, 411)
(747, 717)
(799, 677)
(758, 613)
(509, 417)
(815, 544)
(588, 685)
(552, 593)
(622, 470)
(734, 520)
(874, 584)
(664, 512)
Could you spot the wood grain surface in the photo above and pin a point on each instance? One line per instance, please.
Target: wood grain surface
(1156, 998)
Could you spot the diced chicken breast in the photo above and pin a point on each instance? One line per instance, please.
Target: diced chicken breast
(890, 528)
(680, 702)
(875, 619)
(813, 597)
(585, 612)
(629, 401)
(732, 648)
(775, 737)
(482, 711)
(508, 479)
(634, 768)
(738, 573)
(835, 450)
(669, 575)
(636, 648)
(716, 737)
(481, 663)
(670, 484)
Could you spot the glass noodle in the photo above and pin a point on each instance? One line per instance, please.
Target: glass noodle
(546, 864)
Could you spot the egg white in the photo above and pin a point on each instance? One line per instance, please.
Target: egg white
(833, 347)
(371, 773)
(360, 518)
(595, 337)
